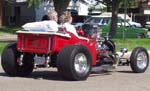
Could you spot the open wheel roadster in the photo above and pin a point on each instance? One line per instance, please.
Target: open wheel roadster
(74, 57)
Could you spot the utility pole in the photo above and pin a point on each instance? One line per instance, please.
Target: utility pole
(125, 13)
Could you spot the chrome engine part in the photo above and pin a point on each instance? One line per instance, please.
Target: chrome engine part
(41, 60)
(105, 50)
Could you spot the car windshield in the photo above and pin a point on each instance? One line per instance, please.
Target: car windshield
(97, 20)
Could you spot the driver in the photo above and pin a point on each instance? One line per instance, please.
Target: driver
(52, 23)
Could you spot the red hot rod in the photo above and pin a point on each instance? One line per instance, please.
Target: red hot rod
(73, 56)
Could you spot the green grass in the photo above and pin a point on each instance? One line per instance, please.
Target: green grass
(8, 30)
(2, 46)
(132, 43)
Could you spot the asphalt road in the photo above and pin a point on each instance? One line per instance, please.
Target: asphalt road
(47, 79)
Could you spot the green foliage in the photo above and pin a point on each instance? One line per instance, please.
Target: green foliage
(130, 3)
(33, 3)
(133, 3)
(36, 3)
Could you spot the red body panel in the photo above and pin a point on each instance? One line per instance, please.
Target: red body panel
(52, 43)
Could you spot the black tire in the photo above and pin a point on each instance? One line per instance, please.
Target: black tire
(10, 65)
(134, 26)
(66, 62)
(142, 35)
(139, 65)
(53, 60)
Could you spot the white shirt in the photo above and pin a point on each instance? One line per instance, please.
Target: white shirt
(49, 25)
(70, 28)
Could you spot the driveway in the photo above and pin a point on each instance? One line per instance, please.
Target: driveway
(47, 79)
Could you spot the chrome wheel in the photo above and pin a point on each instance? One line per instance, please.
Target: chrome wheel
(80, 63)
(139, 60)
(74, 62)
(142, 60)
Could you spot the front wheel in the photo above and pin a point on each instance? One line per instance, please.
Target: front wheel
(139, 60)
(74, 62)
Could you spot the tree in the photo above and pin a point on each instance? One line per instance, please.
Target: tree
(116, 4)
(60, 5)
(115, 8)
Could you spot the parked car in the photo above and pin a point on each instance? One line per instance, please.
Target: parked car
(135, 24)
(147, 25)
(129, 31)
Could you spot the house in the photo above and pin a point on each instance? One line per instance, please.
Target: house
(17, 12)
(145, 9)
(144, 12)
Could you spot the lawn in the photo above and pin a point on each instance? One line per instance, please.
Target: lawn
(2, 46)
(132, 43)
(8, 30)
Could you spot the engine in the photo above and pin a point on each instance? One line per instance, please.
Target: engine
(105, 50)
(105, 46)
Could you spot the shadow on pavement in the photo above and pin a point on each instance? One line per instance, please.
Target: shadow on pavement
(54, 75)
(103, 73)
(3, 74)
(126, 72)
(48, 75)
(100, 73)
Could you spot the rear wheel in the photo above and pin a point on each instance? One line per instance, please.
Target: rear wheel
(74, 62)
(9, 63)
(139, 60)
(53, 60)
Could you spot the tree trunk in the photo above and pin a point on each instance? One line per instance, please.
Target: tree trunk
(1, 12)
(61, 6)
(115, 7)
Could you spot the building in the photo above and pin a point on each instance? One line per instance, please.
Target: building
(145, 9)
(17, 12)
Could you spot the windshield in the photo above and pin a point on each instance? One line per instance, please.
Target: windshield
(97, 20)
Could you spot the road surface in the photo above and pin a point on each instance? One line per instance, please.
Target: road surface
(47, 79)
